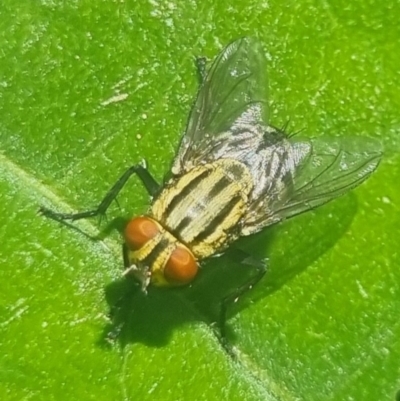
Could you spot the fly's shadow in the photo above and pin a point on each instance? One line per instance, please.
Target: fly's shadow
(137, 317)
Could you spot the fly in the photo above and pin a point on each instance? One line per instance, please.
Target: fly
(234, 174)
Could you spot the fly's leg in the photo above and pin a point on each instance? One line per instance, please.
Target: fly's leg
(125, 256)
(141, 171)
(116, 309)
(201, 64)
(261, 268)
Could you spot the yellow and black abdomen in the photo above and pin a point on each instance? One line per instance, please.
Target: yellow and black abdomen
(203, 207)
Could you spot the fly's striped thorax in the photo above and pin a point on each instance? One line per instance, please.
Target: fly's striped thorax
(203, 207)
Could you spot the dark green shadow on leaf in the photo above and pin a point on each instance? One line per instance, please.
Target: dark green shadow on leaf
(151, 318)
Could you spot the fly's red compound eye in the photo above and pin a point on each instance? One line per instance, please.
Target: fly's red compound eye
(140, 230)
(181, 267)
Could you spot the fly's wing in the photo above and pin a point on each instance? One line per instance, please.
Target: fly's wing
(309, 173)
(235, 86)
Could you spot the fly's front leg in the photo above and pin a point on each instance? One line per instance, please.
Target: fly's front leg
(141, 171)
(117, 308)
(260, 270)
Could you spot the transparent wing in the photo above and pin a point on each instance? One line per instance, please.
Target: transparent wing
(309, 173)
(236, 85)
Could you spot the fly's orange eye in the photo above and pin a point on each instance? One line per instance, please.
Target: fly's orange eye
(181, 267)
(139, 230)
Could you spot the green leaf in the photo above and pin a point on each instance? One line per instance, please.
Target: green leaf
(87, 90)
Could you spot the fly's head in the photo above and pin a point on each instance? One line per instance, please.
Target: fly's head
(155, 256)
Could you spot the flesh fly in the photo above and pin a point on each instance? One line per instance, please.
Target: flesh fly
(234, 174)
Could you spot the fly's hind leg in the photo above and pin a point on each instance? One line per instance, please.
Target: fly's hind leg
(140, 170)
